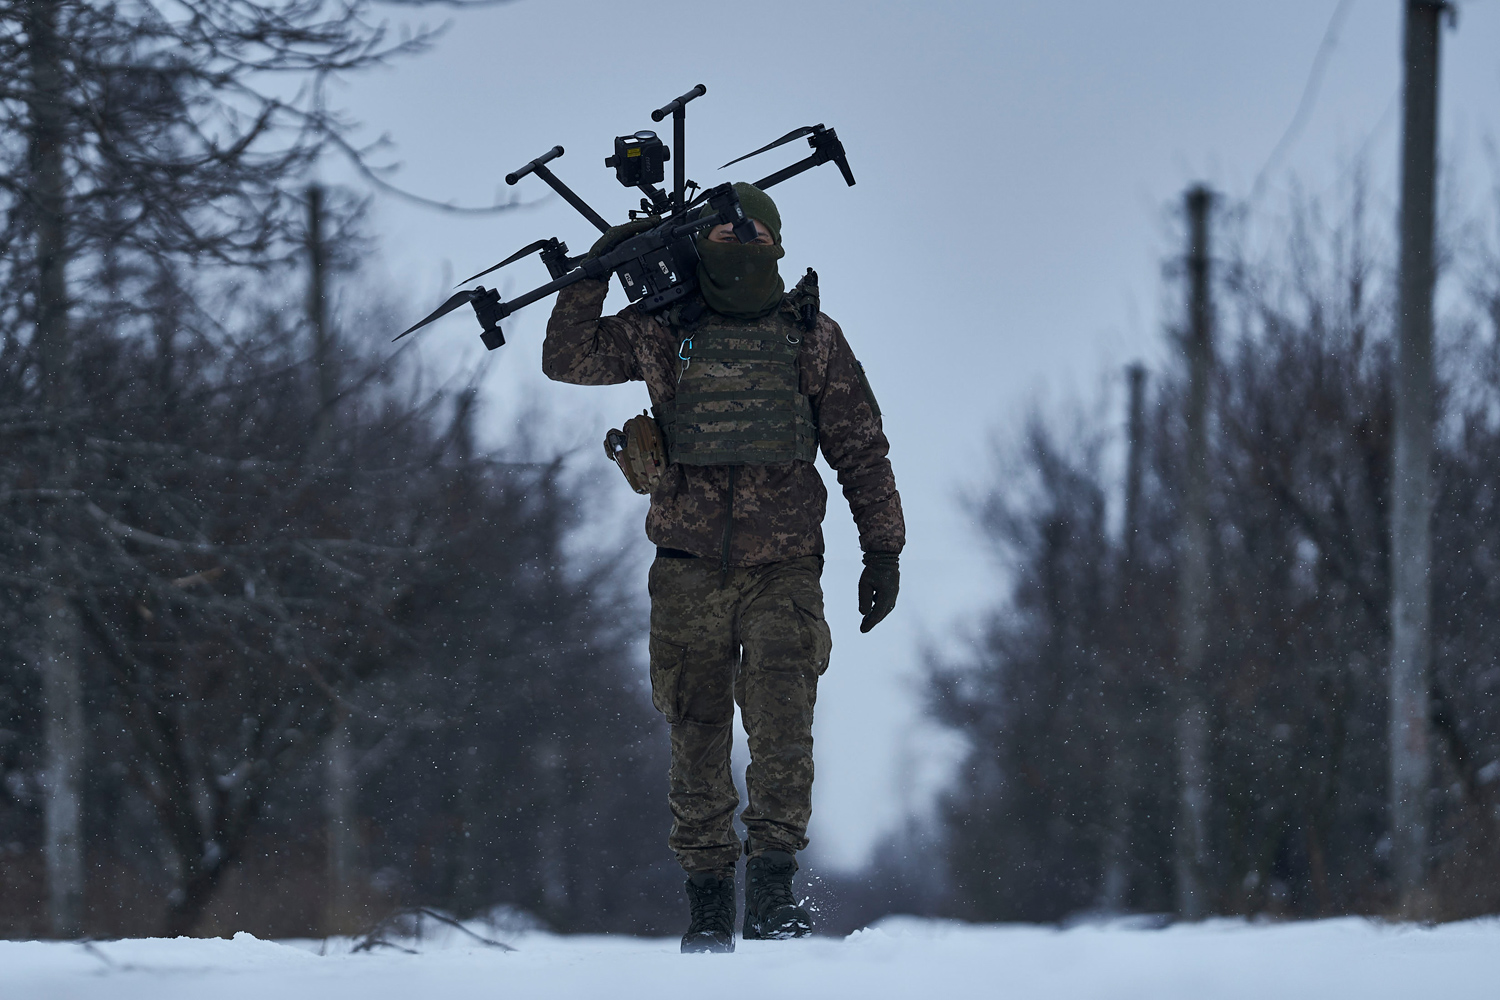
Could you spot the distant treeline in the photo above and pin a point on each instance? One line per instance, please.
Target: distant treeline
(1068, 800)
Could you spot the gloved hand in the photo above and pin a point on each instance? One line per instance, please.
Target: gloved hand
(615, 235)
(877, 587)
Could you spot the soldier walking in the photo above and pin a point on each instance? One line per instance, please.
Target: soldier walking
(746, 382)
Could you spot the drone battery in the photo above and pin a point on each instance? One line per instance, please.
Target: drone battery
(633, 278)
(676, 275)
(652, 280)
(661, 268)
(660, 277)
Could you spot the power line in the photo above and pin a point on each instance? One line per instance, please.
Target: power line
(1309, 95)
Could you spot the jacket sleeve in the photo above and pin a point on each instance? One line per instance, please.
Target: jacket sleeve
(583, 347)
(853, 442)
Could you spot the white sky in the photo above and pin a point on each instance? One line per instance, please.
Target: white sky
(1016, 164)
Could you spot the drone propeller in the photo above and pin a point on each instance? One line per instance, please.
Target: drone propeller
(525, 251)
(795, 133)
(454, 301)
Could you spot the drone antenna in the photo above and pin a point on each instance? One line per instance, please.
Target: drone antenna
(678, 110)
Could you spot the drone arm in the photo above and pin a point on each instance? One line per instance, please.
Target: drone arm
(538, 167)
(792, 171)
(807, 163)
(573, 277)
(826, 148)
(588, 213)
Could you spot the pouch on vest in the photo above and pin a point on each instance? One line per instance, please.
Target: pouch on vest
(640, 451)
(801, 303)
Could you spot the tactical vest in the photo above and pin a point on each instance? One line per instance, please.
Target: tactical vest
(739, 398)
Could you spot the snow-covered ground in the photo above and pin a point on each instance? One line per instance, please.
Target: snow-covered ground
(1327, 960)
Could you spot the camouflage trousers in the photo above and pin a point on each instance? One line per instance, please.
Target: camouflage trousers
(757, 638)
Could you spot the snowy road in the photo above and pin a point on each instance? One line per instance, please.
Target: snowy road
(1327, 960)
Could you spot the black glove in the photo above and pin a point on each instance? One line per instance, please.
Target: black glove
(877, 587)
(615, 235)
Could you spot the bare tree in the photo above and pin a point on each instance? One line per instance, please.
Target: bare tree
(132, 134)
(1300, 480)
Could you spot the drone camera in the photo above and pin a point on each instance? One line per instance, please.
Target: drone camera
(639, 159)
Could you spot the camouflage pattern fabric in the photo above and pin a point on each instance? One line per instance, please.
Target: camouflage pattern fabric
(753, 637)
(738, 400)
(777, 508)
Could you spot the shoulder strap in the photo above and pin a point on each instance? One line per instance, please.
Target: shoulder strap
(687, 313)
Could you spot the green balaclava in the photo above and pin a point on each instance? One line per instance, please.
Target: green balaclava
(741, 280)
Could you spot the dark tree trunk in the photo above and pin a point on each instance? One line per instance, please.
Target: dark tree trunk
(56, 640)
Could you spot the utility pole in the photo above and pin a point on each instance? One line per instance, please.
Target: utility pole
(1194, 580)
(1114, 882)
(57, 631)
(1411, 471)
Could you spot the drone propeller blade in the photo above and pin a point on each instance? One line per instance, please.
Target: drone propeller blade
(524, 251)
(456, 300)
(795, 133)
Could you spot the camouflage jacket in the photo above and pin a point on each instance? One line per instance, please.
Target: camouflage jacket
(777, 509)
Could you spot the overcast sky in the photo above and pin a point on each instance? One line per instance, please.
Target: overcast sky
(1017, 167)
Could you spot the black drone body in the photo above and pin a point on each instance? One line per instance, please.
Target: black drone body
(656, 267)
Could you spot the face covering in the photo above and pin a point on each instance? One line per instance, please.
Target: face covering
(740, 280)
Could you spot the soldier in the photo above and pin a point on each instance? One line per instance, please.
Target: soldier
(746, 383)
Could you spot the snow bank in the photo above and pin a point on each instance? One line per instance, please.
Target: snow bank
(900, 957)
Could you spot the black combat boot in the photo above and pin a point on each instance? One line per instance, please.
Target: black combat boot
(771, 911)
(711, 903)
